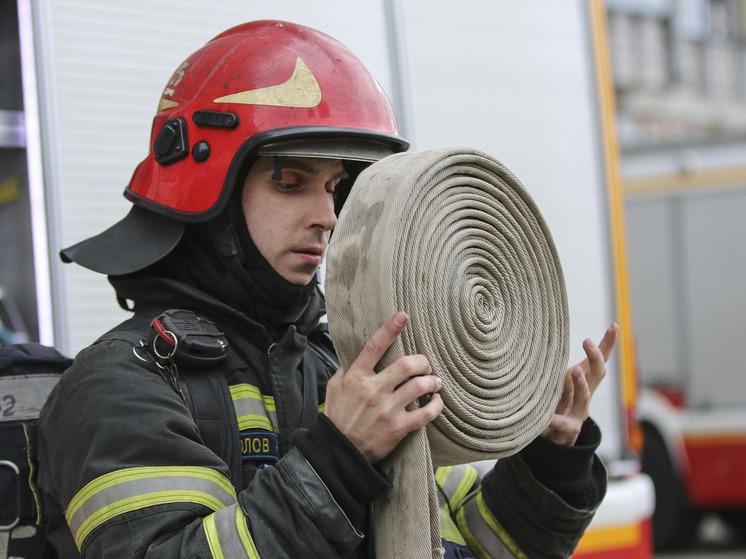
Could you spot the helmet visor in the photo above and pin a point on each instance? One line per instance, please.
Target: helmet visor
(350, 149)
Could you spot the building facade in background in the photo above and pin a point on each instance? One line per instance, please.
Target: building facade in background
(679, 69)
(680, 80)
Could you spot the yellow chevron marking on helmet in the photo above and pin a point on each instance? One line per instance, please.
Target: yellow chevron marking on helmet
(300, 91)
(166, 104)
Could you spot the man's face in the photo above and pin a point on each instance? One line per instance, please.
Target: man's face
(290, 220)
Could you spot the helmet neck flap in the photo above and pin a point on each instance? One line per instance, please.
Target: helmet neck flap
(219, 258)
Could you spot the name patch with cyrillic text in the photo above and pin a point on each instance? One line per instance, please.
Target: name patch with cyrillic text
(260, 445)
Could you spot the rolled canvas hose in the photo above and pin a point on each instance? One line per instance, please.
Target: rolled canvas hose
(453, 238)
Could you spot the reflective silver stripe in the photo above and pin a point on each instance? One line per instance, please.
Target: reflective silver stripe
(484, 534)
(441, 478)
(137, 488)
(455, 483)
(22, 396)
(254, 410)
(228, 535)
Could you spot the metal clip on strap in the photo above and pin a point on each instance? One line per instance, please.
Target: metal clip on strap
(187, 339)
(164, 338)
(16, 474)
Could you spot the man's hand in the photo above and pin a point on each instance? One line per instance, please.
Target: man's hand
(581, 382)
(369, 408)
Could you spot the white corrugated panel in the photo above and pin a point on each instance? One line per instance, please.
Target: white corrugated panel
(515, 80)
(107, 65)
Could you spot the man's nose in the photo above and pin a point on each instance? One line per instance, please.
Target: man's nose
(321, 212)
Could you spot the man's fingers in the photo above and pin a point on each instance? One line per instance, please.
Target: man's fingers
(565, 403)
(582, 394)
(598, 356)
(423, 415)
(411, 420)
(606, 346)
(581, 382)
(403, 369)
(609, 340)
(380, 342)
(597, 365)
(415, 388)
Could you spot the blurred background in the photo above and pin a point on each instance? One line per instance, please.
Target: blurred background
(679, 72)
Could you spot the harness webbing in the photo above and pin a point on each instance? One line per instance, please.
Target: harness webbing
(207, 396)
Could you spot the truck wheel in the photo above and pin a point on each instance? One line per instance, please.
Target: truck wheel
(674, 520)
(736, 520)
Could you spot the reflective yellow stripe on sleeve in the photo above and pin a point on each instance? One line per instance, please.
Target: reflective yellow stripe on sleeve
(455, 482)
(484, 534)
(448, 529)
(254, 410)
(228, 535)
(137, 488)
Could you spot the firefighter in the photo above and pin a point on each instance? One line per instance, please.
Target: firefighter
(258, 138)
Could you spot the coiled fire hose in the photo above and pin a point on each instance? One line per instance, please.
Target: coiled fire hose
(453, 238)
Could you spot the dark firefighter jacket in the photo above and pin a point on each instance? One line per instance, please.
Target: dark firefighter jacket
(124, 473)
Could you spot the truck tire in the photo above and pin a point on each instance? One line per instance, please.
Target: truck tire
(674, 520)
(736, 521)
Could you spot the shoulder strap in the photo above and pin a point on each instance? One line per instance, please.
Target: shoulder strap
(134, 330)
(206, 395)
(209, 400)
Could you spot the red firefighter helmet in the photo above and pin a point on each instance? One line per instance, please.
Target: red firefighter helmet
(261, 88)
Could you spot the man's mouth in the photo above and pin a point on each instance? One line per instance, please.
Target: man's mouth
(311, 255)
(315, 251)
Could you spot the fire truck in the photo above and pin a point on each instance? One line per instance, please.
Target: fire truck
(528, 82)
(685, 204)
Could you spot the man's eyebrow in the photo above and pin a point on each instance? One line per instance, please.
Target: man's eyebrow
(311, 168)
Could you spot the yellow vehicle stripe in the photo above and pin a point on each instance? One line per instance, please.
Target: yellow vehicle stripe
(615, 209)
(681, 181)
(612, 538)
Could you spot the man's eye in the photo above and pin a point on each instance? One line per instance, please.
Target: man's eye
(287, 185)
(331, 186)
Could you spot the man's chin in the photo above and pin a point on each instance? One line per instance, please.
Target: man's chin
(299, 277)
